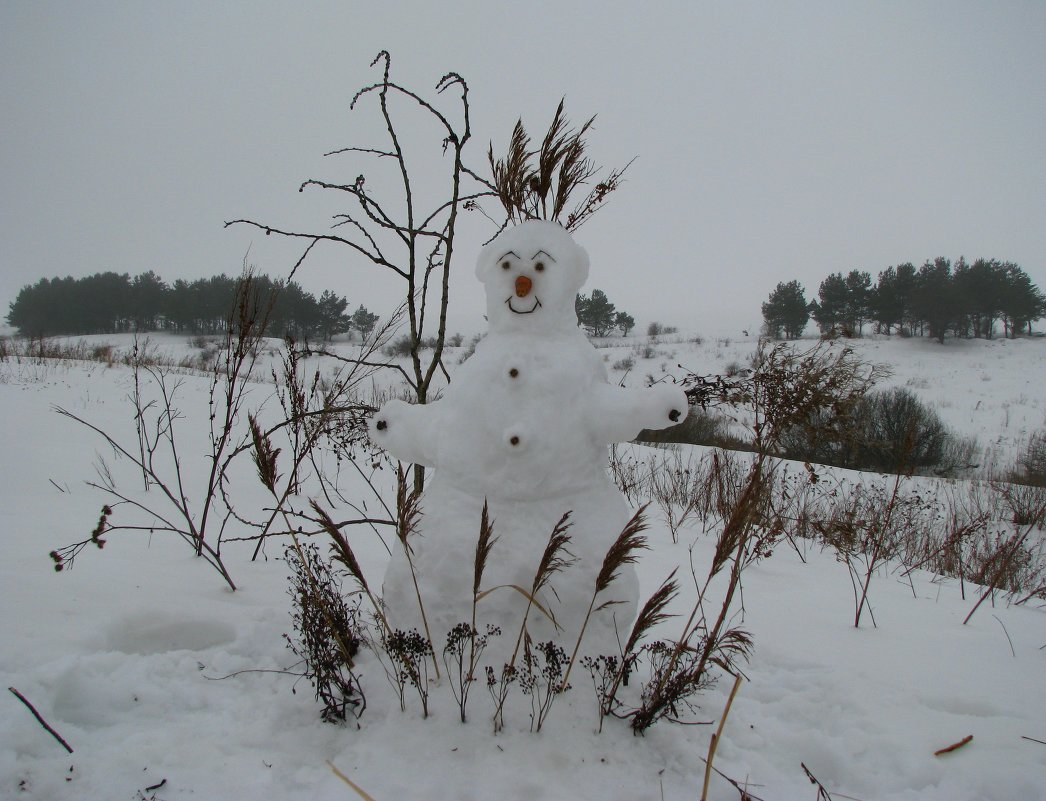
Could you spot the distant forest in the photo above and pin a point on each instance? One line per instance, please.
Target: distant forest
(937, 299)
(110, 303)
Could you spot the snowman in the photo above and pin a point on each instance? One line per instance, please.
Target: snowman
(525, 427)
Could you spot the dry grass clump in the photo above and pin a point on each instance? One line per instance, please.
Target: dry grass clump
(39, 350)
(537, 183)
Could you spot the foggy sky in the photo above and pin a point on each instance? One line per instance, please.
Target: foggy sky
(774, 141)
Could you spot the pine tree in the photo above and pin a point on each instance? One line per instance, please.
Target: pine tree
(934, 299)
(333, 319)
(786, 311)
(364, 321)
(858, 300)
(830, 309)
(596, 313)
(625, 322)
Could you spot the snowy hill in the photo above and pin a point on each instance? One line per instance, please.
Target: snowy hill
(167, 685)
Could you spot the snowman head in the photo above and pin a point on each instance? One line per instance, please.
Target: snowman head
(531, 274)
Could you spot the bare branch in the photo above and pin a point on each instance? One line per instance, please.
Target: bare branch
(268, 229)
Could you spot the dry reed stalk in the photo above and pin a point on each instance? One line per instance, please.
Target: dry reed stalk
(652, 614)
(264, 455)
(554, 559)
(534, 602)
(483, 545)
(621, 553)
(408, 512)
(359, 790)
(732, 543)
(343, 553)
(714, 743)
(881, 532)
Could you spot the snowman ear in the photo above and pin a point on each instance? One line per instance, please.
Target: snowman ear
(580, 266)
(484, 263)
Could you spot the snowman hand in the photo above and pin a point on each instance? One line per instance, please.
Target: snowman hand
(400, 429)
(620, 413)
(670, 405)
(378, 425)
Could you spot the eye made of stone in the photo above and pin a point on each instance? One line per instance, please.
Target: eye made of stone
(540, 266)
(505, 265)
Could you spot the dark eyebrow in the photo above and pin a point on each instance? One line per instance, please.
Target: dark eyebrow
(548, 256)
(510, 253)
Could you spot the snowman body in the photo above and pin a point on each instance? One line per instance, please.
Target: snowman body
(524, 427)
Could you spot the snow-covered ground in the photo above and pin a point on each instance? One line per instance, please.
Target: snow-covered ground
(156, 674)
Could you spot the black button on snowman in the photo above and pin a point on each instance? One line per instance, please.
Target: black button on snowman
(525, 426)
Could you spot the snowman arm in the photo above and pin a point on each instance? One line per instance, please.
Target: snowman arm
(407, 431)
(620, 413)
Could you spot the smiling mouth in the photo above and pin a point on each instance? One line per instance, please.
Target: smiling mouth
(534, 308)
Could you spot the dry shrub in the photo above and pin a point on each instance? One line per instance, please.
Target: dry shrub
(870, 525)
(326, 634)
(890, 431)
(1031, 463)
(631, 475)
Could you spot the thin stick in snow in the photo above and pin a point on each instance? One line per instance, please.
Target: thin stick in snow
(40, 719)
(954, 746)
(1004, 631)
(715, 737)
(359, 790)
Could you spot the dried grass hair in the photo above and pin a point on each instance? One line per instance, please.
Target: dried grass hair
(537, 184)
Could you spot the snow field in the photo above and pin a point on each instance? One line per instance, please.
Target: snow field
(119, 653)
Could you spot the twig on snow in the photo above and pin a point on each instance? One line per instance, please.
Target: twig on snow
(359, 790)
(40, 719)
(822, 793)
(1004, 631)
(954, 746)
(746, 795)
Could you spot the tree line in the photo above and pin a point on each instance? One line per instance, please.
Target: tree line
(110, 303)
(936, 299)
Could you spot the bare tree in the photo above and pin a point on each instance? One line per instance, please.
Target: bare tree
(415, 243)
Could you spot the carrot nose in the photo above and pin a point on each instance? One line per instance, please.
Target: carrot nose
(523, 286)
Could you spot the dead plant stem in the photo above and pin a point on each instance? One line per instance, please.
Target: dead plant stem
(714, 742)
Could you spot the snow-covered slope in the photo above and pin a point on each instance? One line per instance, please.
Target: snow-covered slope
(155, 673)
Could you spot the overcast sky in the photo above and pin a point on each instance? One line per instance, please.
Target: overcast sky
(775, 141)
